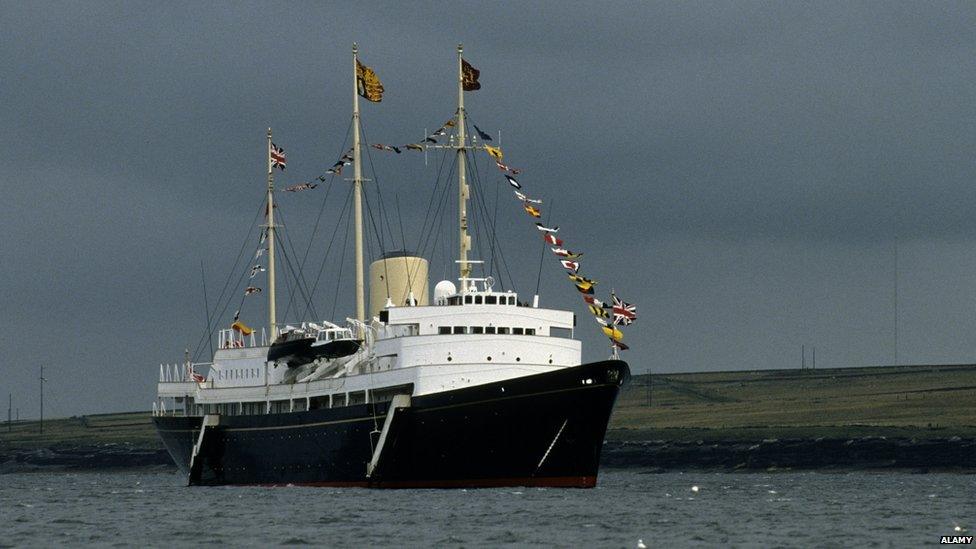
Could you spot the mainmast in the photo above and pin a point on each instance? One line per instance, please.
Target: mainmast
(272, 322)
(357, 189)
(464, 239)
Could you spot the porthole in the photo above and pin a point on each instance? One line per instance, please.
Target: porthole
(449, 359)
(489, 359)
(550, 361)
(518, 359)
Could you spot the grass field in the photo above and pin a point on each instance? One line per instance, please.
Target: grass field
(904, 401)
(129, 428)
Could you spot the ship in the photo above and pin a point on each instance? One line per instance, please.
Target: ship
(470, 387)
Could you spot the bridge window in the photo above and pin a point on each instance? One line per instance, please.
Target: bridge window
(530, 331)
(444, 330)
(518, 331)
(478, 300)
(477, 330)
(460, 329)
(490, 330)
(491, 300)
(503, 330)
(467, 299)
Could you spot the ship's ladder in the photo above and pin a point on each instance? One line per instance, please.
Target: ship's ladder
(399, 402)
(196, 463)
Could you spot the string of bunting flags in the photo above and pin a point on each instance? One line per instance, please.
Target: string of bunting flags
(608, 315)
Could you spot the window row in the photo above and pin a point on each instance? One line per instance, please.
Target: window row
(484, 330)
(236, 373)
(482, 300)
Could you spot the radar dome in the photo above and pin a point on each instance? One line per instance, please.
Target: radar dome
(443, 289)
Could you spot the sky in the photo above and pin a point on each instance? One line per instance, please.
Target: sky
(755, 176)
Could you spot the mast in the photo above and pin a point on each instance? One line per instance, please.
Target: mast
(464, 240)
(272, 321)
(357, 188)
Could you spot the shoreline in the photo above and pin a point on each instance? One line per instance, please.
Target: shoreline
(838, 455)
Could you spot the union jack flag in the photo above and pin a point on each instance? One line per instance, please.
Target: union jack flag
(277, 157)
(623, 313)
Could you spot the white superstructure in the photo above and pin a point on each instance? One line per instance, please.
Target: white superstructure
(462, 340)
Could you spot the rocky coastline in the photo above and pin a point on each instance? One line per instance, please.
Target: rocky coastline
(822, 454)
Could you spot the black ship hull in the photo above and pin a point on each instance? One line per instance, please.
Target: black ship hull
(540, 430)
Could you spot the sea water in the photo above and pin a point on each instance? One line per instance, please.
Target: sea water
(661, 510)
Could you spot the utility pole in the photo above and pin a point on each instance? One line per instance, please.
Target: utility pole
(803, 357)
(895, 297)
(814, 358)
(10, 406)
(42, 399)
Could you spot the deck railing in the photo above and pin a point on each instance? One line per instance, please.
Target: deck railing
(183, 373)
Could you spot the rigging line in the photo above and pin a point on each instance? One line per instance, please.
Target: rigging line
(494, 242)
(481, 202)
(372, 220)
(444, 198)
(386, 274)
(439, 218)
(379, 190)
(318, 217)
(335, 232)
(448, 243)
(501, 254)
(299, 277)
(494, 222)
(284, 256)
(206, 305)
(542, 255)
(481, 209)
(296, 275)
(406, 264)
(342, 261)
(210, 328)
(433, 193)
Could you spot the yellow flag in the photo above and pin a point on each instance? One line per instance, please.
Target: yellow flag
(242, 328)
(369, 84)
(495, 152)
(613, 333)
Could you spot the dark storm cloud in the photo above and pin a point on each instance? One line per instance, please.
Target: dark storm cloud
(740, 169)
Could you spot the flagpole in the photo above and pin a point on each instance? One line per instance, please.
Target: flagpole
(272, 321)
(357, 189)
(464, 240)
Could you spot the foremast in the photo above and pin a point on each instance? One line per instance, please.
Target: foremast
(272, 321)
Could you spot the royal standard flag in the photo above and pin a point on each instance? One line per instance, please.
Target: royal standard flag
(469, 77)
(369, 84)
